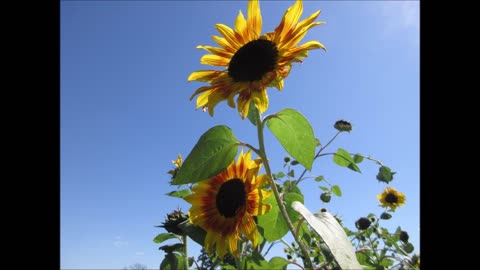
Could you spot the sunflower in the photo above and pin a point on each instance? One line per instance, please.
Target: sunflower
(253, 61)
(177, 164)
(224, 205)
(392, 198)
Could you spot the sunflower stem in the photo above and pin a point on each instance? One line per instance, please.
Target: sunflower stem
(185, 239)
(263, 155)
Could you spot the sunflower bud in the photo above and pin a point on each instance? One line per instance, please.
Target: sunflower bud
(172, 221)
(343, 126)
(363, 223)
(404, 236)
(325, 197)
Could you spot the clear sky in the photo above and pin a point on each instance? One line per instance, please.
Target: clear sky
(125, 114)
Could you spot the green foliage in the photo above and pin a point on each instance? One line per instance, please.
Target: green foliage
(273, 222)
(295, 134)
(178, 247)
(163, 237)
(357, 158)
(253, 113)
(172, 261)
(213, 152)
(342, 158)
(196, 233)
(336, 190)
(179, 193)
(385, 174)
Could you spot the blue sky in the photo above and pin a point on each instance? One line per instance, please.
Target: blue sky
(125, 114)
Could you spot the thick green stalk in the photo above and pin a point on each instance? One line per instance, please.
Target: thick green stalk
(283, 210)
(185, 253)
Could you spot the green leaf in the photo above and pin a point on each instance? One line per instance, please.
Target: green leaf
(255, 261)
(336, 190)
(289, 187)
(408, 247)
(273, 223)
(289, 198)
(323, 188)
(291, 173)
(179, 247)
(280, 175)
(164, 237)
(385, 216)
(214, 151)
(295, 134)
(342, 158)
(332, 234)
(179, 193)
(277, 263)
(319, 178)
(385, 174)
(196, 233)
(357, 158)
(172, 261)
(253, 113)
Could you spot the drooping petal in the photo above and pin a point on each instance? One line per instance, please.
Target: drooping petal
(214, 60)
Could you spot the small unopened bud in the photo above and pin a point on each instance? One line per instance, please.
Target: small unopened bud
(325, 197)
(404, 236)
(363, 223)
(342, 125)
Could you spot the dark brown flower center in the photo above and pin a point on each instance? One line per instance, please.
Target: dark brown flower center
(391, 198)
(252, 61)
(231, 197)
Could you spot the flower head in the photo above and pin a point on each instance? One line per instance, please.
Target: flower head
(178, 164)
(391, 198)
(252, 61)
(363, 223)
(224, 205)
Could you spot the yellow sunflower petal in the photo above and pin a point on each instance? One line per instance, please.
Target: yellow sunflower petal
(291, 16)
(260, 98)
(229, 35)
(241, 28)
(221, 246)
(218, 51)
(204, 75)
(214, 60)
(222, 42)
(254, 20)
(249, 228)
(308, 20)
(232, 245)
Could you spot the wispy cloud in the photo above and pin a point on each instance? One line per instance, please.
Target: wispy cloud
(401, 15)
(118, 242)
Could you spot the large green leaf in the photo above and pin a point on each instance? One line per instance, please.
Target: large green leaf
(332, 234)
(336, 190)
(278, 263)
(164, 237)
(255, 260)
(273, 222)
(172, 261)
(295, 134)
(179, 193)
(214, 151)
(343, 158)
(178, 247)
(289, 198)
